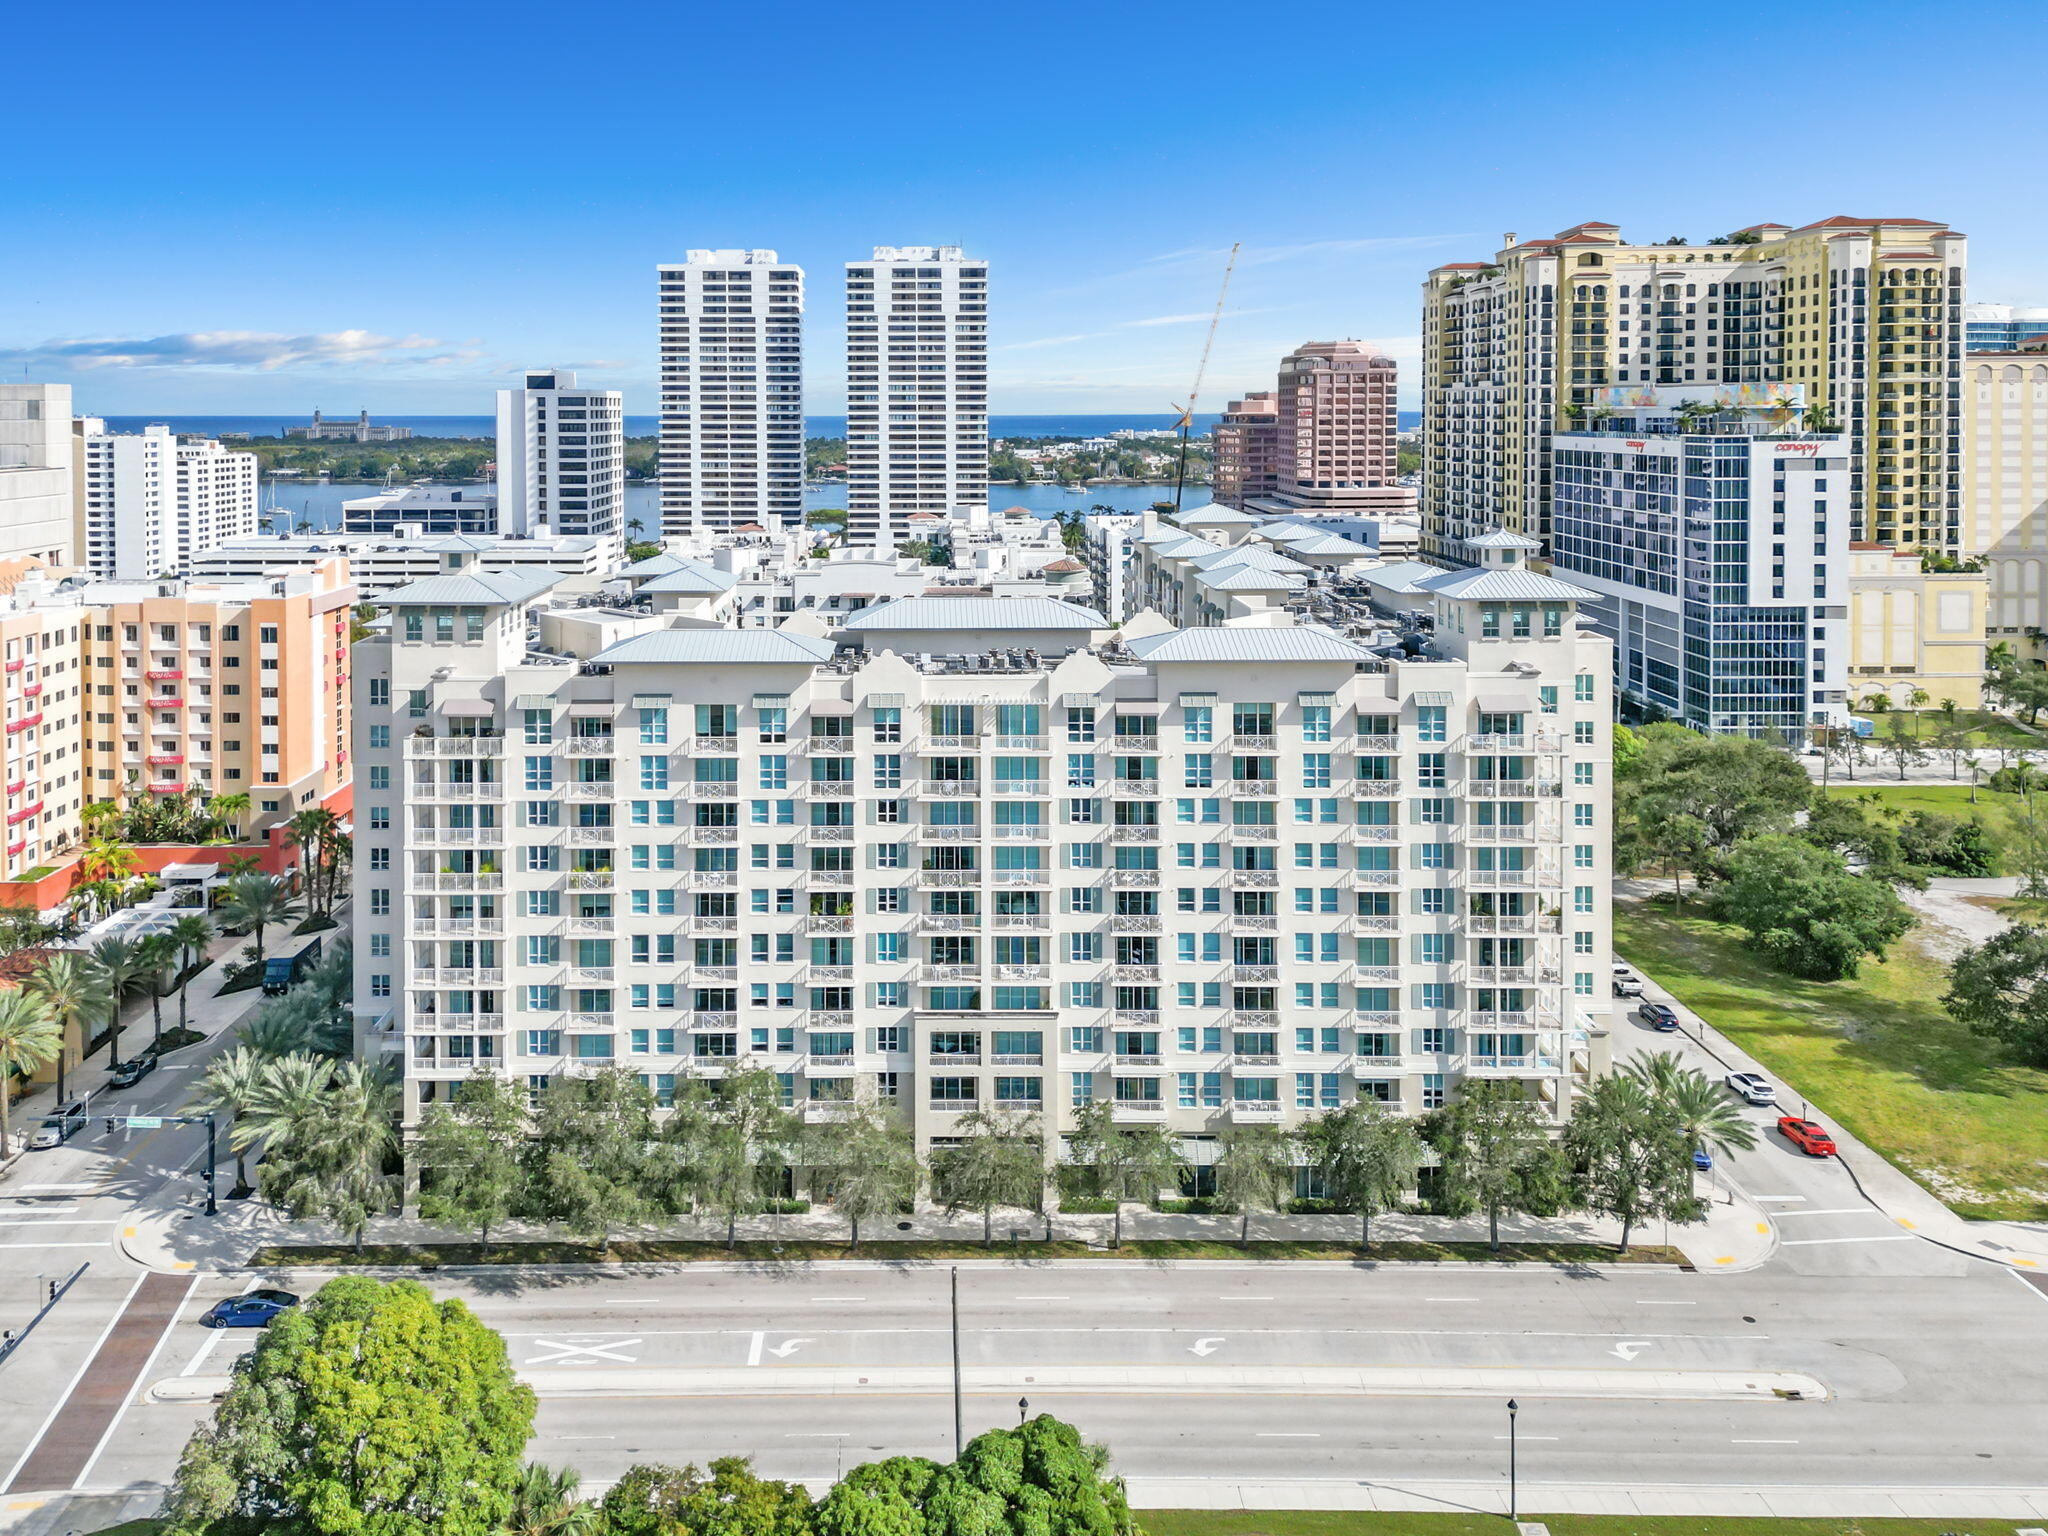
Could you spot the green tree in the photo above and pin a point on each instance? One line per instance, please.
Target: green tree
(1999, 989)
(1496, 1155)
(191, 933)
(331, 1164)
(157, 974)
(232, 810)
(1000, 1160)
(1367, 1157)
(869, 1162)
(1951, 737)
(1040, 1479)
(1901, 743)
(589, 1163)
(122, 964)
(655, 1500)
(1806, 911)
(73, 989)
(1127, 1162)
(1630, 1157)
(732, 1141)
(29, 1038)
(471, 1152)
(256, 901)
(1707, 1116)
(1731, 786)
(545, 1504)
(1254, 1172)
(372, 1410)
(2025, 847)
(233, 1086)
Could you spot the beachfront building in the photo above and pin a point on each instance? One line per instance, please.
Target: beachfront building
(732, 411)
(35, 473)
(145, 503)
(916, 388)
(1210, 876)
(562, 459)
(358, 431)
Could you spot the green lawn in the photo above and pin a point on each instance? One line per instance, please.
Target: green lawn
(1942, 799)
(1879, 1054)
(1987, 727)
(1315, 1522)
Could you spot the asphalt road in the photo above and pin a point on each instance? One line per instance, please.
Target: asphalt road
(1928, 1367)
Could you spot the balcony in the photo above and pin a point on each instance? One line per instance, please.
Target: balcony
(588, 746)
(165, 675)
(1254, 973)
(952, 1106)
(15, 726)
(591, 879)
(165, 702)
(1256, 1111)
(828, 925)
(1138, 1110)
(15, 818)
(455, 746)
(950, 789)
(166, 787)
(956, 1058)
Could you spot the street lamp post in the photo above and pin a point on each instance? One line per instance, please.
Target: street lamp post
(959, 1423)
(1514, 1503)
(1023, 1410)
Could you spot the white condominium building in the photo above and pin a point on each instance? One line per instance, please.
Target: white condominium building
(732, 392)
(916, 388)
(35, 472)
(999, 858)
(147, 502)
(561, 458)
(2005, 500)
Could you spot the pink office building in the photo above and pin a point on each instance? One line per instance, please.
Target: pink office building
(1322, 442)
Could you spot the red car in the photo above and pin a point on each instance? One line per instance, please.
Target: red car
(1808, 1137)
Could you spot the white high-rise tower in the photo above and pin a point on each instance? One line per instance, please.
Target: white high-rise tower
(561, 457)
(916, 388)
(732, 392)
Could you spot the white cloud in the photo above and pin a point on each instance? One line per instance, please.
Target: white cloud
(244, 351)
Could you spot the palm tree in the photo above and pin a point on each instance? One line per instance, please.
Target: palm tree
(1919, 698)
(29, 1037)
(232, 1087)
(1707, 1116)
(545, 1504)
(107, 859)
(313, 832)
(328, 1158)
(121, 963)
(157, 970)
(254, 901)
(231, 809)
(71, 987)
(191, 933)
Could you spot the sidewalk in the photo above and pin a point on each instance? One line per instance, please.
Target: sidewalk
(168, 1235)
(2018, 1244)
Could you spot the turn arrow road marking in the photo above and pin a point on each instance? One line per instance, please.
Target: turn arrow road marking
(1205, 1347)
(1628, 1349)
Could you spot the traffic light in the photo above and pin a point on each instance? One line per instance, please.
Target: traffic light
(53, 1293)
(110, 1125)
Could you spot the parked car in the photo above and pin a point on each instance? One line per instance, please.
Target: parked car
(1807, 1136)
(133, 1070)
(1626, 982)
(58, 1128)
(1702, 1159)
(1659, 1017)
(283, 972)
(1751, 1086)
(257, 1309)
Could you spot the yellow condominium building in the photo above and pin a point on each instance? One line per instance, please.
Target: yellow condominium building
(116, 690)
(1857, 319)
(2005, 494)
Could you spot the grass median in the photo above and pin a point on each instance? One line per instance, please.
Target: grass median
(926, 1251)
(1879, 1054)
(1310, 1522)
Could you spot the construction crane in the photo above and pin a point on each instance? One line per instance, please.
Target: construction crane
(1187, 413)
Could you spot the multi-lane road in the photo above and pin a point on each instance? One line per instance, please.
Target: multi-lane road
(1857, 1355)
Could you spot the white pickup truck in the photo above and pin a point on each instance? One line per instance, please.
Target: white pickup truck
(1626, 982)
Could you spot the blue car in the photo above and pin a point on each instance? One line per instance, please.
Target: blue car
(255, 1310)
(1702, 1159)
(1659, 1017)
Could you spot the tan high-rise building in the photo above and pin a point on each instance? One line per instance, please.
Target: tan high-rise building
(2005, 490)
(1242, 449)
(1860, 319)
(117, 690)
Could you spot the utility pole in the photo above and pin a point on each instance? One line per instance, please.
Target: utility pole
(959, 1422)
(1514, 1503)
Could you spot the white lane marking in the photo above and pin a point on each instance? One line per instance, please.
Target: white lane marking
(1763, 1442)
(48, 1210)
(1778, 1197)
(57, 1407)
(61, 1221)
(213, 1337)
(568, 1352)
(1667, 1303)
(1814, 1242)
(54, 1189)
(19, 1247)
(1844, 1210)
(1276, 1434)
(128, 1395)
(754, 1349)
(1450, 1298)
(1246, 1298)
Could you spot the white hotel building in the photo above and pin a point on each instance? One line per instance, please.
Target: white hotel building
(916, 388)
(148, 502)
(732, 392)
(562, 459)
(1213, 876)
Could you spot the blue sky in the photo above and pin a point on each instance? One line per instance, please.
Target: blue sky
(240, 207)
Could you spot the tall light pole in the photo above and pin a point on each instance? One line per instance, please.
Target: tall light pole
(959, 1423)
(1514, 1504)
